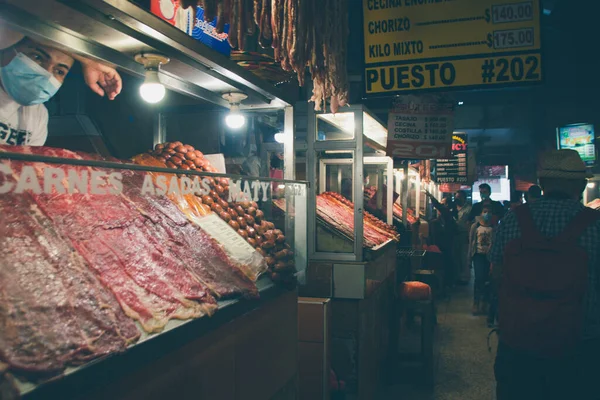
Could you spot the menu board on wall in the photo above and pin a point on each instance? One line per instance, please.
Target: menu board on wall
(454, 169)
(580, 138)
(420, 127)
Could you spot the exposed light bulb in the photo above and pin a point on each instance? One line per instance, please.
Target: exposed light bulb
(234, 119)
(591, 185)
(460, 103)
(152, 91)
(279, 137)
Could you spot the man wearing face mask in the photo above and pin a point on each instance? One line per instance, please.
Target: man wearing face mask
(485, 191)
(30, 74)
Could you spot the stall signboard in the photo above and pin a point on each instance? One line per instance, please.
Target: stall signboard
(579, 137)
(193, 25)
(454, 169)
(413, 45)
(420, 128)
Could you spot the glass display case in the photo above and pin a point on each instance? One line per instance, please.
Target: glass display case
(346, 160)
(130, 250)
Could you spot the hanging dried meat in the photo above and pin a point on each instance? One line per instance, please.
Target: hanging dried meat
(302, 33)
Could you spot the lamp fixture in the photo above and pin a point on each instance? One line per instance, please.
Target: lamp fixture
(279, 137)
(235, 120)
(591, 185)
(152, 91)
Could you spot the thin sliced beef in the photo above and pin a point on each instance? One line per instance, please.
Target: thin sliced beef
(201, 254)
(113, 236)
(53, 311)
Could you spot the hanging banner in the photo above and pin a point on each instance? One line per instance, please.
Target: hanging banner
(412, 45)
(420, 127)
(454, 169)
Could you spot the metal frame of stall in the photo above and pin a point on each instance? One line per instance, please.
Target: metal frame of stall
(402, 180)
(359, 281)
(355, 147)
(113, 32)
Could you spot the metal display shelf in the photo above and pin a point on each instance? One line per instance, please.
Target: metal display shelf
(114, 31)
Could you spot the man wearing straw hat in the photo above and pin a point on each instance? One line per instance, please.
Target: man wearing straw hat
(546, 256)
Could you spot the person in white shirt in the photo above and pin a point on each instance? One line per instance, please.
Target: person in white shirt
(30, 74)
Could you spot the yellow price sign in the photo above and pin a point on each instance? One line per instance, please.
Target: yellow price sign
(445, 38)
(481, 71)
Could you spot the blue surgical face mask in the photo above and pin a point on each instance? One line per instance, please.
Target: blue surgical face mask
(27, 82)
(484, 196)
(486, 217)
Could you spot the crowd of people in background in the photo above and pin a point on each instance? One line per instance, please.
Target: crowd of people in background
(465, 232)
(536, 276)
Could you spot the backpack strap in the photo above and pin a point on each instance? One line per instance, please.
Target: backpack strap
(584, 219)
(529, 231)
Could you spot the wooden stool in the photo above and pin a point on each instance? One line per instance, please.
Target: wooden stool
(416, 298)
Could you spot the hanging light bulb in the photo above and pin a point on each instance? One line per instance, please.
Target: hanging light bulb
(235, 120)
(279, 137)
(152, 90)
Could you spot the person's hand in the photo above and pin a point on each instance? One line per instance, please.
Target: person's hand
(102, 79)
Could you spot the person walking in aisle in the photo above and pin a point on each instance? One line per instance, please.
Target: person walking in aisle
(480, 242)
(533, 194)
(461, 243)
(547, 256)
(485, 191)
(445, 230)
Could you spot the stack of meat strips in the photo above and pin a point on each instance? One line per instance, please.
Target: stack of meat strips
(79, 268)
(396, 209)
(244, 217)
(410, 214)
(302, 33)
(337, 211)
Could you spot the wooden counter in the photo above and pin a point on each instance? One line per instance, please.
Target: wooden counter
(362, 300)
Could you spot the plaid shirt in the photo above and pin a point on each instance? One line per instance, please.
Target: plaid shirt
(551, 217)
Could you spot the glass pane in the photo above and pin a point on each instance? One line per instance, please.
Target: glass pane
(376, 190)
(338, 126)
(136, 247)
(335, 212)
(374, 130)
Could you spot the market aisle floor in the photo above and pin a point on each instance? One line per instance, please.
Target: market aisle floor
(463, 364)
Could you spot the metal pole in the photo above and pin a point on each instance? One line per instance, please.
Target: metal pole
(358, 185)
(311, 175)
(289, 153)
(404, 194)
(390, 192)
(418, 197)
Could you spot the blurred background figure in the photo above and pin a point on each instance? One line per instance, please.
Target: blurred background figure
(533, 194)
(461, 242)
